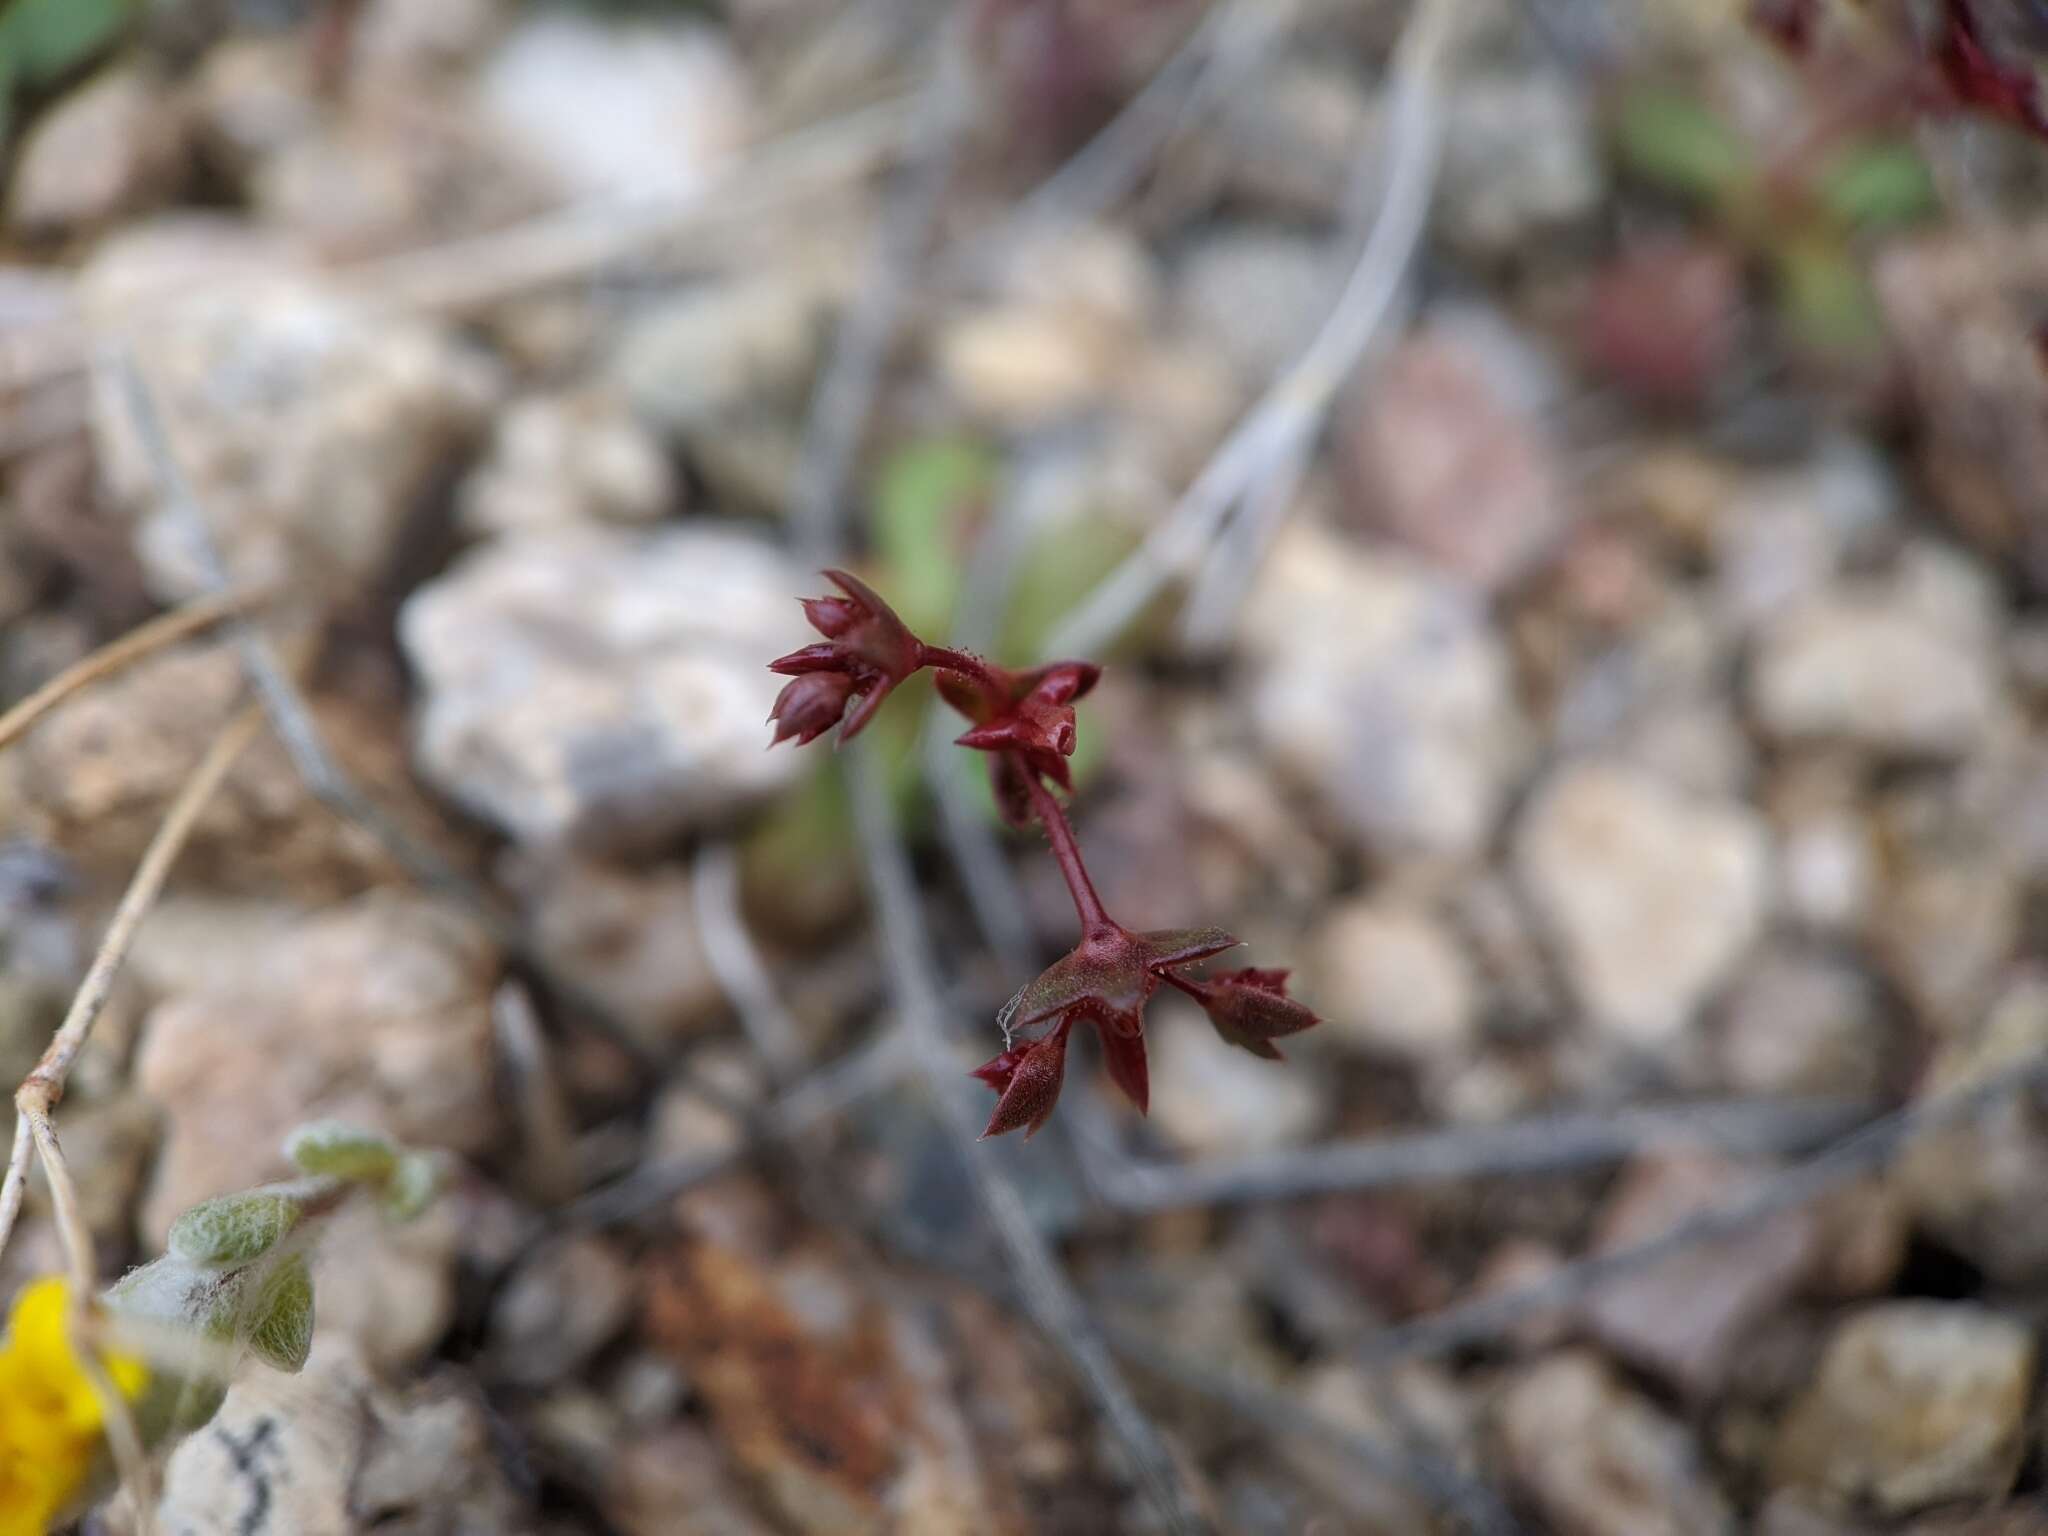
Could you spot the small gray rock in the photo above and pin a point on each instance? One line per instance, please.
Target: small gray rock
(308, 422)
(604, 688)
(1256, 295)
(1650, 895)
(1873, 669)
(1522, 158)
(564, 1304)
(329, 1452)
(723, 350)
(1683, 1318)
(104, 150)
(1915, 1403)
(616, 110)
(559, 460)
(1598, 1460)
(1802, 1023)
(1382, 686)
(1390, 978)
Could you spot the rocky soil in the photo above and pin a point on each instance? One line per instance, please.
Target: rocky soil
(1628, 718)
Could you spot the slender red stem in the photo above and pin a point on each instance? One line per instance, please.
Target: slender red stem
(1095, 918)
(967, 665)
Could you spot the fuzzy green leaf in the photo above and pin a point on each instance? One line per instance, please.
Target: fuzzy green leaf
(1676, 142)
(339, 1150)
(42, 39)
(924, 496)
(1879, 184)
(1826, 301)
(282, 1334)
(412, 1186)
(233, 1229)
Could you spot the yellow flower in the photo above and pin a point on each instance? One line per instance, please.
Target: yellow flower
(49, 1414)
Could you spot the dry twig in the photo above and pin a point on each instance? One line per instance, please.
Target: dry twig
(730, 952)
(1846, 1159)
(842, 402)
(1547, 1144)
(1292, 410)
(44, 1086)
(144, 641)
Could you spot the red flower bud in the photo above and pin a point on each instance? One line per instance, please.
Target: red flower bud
(865, 642)
(810, 705)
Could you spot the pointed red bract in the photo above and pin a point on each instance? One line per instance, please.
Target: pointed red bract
(2009, 91)
(1030, 1081)
(1123, 1053)
(1250, 1008)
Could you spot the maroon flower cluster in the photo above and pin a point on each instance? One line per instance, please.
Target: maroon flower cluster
(1956, 66)
(1024, 721)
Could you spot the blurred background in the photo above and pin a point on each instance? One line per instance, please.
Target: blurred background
(1561, 491)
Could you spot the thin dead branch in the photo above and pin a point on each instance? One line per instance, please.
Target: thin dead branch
(144, 641)
(1292, 411)
(1549, 1144)
(44, 1086)
(1851, 1157)
(729, 950)
(844, 397)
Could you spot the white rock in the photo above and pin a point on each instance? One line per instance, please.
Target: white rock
(1256, 295)
(1782, 536)
(557, 460)
(309, 423)
(640, 110)
(1521, 158)
(1650, 895)
(1802, 1023)
(1453, 459)
(604, 687)
(1392, 978)
(1870, 669)
(329, 1452)
(1598, 1460)
(1383, 687)
(1211, 1099)
(102, 150)
(721, 349)
(376, 1011)
(1916, 1403)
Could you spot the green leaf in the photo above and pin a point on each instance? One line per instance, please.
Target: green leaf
(339, 1150)
(283, 1310)
(1063, 564)
(413, 1185)
(924, 496)
(233, 1229)
(1676, 142)
(43, 39)
(1879, 184)
(1826, 302)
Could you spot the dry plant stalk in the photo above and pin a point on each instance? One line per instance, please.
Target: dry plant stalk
(140, 643)
(44, 1087)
